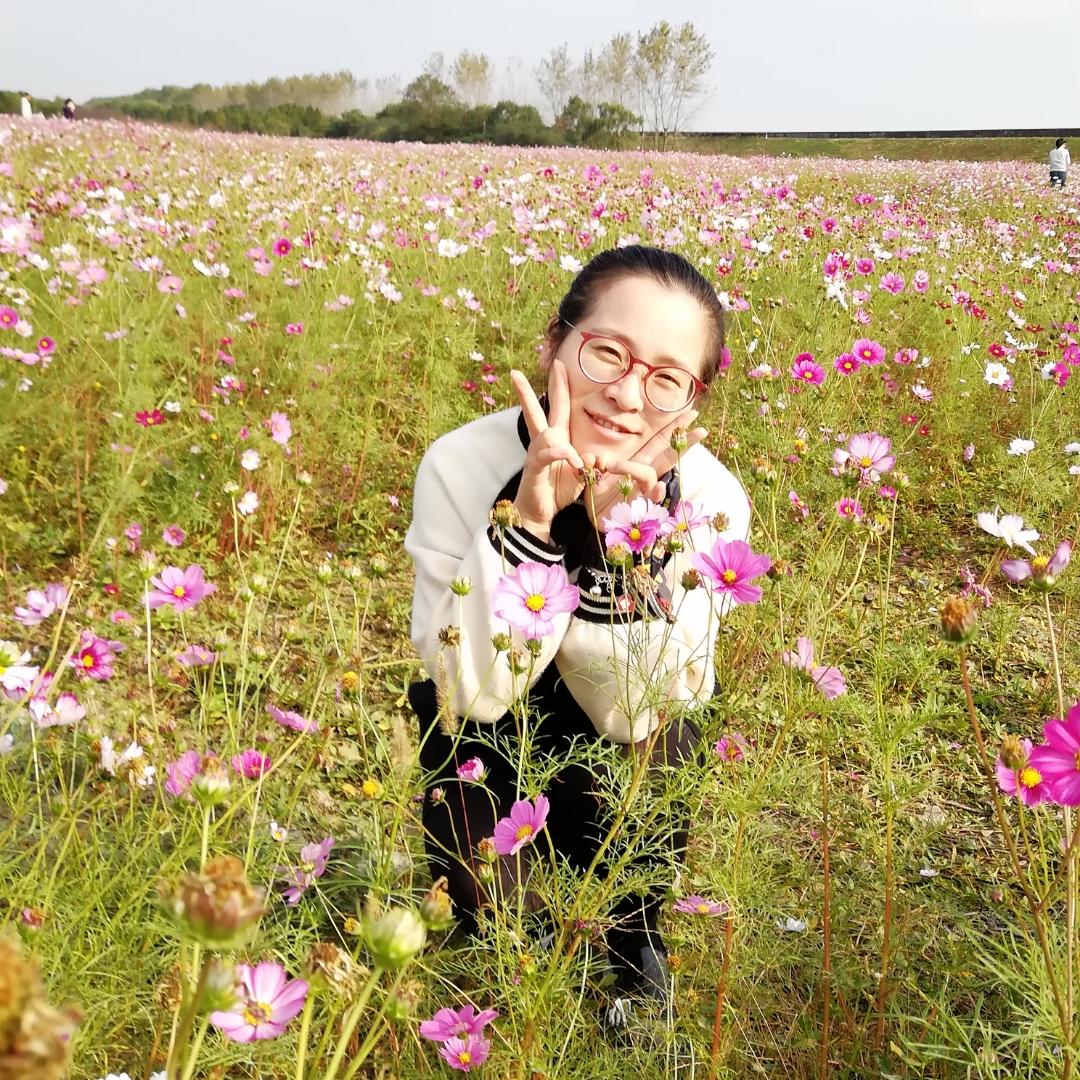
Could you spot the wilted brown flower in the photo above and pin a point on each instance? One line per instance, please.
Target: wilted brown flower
(1012, 753)
(958, 620)
(504, 515)
(436, 909)
(217, 907)
(450, 636)
(330, 968)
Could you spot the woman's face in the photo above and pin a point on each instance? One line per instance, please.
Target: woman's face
(660, 325)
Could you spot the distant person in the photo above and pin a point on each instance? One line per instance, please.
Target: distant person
(1059, 164)
(69, 109)
(24, 105)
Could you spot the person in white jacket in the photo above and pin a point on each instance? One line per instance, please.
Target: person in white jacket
(1060, 160)
(636, 340)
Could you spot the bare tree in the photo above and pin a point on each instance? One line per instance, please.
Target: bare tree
(472, 76)
(670, 66)
(387, 89)
(555, 76)
(590, 79)
(617, 68)
(435, 66)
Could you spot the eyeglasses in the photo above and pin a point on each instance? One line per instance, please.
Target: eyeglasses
(606, 360)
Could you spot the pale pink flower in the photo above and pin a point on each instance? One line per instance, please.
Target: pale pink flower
(532, 595)
(828, 680)
(266, 1001)
(635, 524)
(180, 589)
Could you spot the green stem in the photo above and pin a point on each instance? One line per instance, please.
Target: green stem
(196, 1046)
(352, 1018)
(305, 1032)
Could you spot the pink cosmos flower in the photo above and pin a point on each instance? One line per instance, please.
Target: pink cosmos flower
(1026, 783)
(698, 905)
(280, 428)
(847, 363)
(456, 1023)
(173, 535)
(731, 566)
(920, 281)
(1041, 571)
(288, 718)
(46, 346)
(851, 509)
(182, 771)
(731, 747)
(684, 518)
(250, 764)
(149, 418)
(196, 656)
(521, 826)
(473, 770)
(868, 351)
(1058, 759)
(282, 246)
(41, 604)
(864, 265)
(294, 328)
(892, 283)
(266, 1001)
(170, 284)
(95, 656)
(806, 370)
(798, 507)
(871, 452)
(529, 597)
(313, 859)
(465, 1054)
(65, 713)
(828, 680)
(635, 524)
(180, 589)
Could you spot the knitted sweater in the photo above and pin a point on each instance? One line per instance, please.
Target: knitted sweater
(611, 653)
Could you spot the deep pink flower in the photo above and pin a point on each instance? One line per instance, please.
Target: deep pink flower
(806, 370)
(698, 905)
(46, 346)
(182, 771)
(150, 418)
(532, 595)
(251, 763)
(1026, 783)
(294, 328)
(456, 1023)
(847, 363)
(868, 351)
(731, 747)
(851, 509)
(521, 826)
(282, 246)
(731, 566)
(95, 656)
(465, 1054)
(871, 452)
(266, 1001)
(1041, 571)
(41, 604)
(173, 535)
(635, 524)
(892, 283)
(1058, 759)
(8, 317)
(288, 718)
(313, 859)
(828, 680)
(180, 589)
(864, 265)
(473, 770)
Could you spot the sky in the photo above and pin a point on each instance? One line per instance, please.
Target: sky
(780, 65)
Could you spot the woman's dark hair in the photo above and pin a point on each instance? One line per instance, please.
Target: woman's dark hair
(1060, 142)
(636, 260)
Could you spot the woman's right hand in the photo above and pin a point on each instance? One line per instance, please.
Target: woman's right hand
(551, 477)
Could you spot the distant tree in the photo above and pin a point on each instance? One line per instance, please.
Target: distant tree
(387, 89)
(584, 124)
(617, 68)
(430, 93)
(509, 123)
(670, 66)
(472, 76)
(589, 79)
(555, 77)
(435, 66)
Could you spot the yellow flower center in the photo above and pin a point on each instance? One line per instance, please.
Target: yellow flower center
(1030, 777)
(808, 375)
(702, 909)
(524, 832)
(866, 462)
(257, 1012)
(179, 591)
(88, 660)
(635, 533)
(729, 577)
(464, 1058)
(1040, 562)
(535, 602)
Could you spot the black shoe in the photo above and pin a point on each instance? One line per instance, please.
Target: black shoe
(639, 960)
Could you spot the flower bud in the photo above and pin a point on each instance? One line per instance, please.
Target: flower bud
(626, 486)
(591, 476)
(486, 849)
(350, 681)
(958, 620)
(691, 580)
(1012, 753)
(436, 909)
(245, 593)
(324, 571)
(680, 440)
(619, 555)
(780, 568)
(378, 565)
(533, 646)
(504, 515)
(210, 785)
(515, 658)
(217, 907)
(461, 586)
(401, 1004)
(259, 584)
(396, 937)
(501, 642)
(219, 991)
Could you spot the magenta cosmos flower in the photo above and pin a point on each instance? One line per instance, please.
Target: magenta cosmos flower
(250, 763)
(180, 589)
(871, 452)
(1026, 783)
(173, 535)
(95, 656)
(183, 771)
(731, 747)
(465, 1054)
(636, 524)
(1041, 571)
(731, 566)
(847, 363)
(806, 370)
(313, 859)
(282, 246)
(456, 1023)
(828, 680)
(698, 905)
(529, 598)
(1058, 759)
(266, 1001)
(868, 351)
(473, 770)
(288, 718)
(521, 827)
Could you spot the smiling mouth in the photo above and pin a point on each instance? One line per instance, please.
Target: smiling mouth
(608, 425)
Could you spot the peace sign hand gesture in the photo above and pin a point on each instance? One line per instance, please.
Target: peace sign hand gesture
(551, 477)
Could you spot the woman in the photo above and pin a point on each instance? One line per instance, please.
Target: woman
(1060, 160)
(636, 341)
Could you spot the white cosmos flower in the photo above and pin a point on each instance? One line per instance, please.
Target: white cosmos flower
(1072, 448)
(996, 374)
(1010, 528)
(568, 262)
(1020, 447)
(250, 459)
(248, 504)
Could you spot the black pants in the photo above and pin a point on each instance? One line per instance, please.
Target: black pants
(577, 819)
(1057, 178)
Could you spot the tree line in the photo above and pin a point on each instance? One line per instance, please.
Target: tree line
(647, 82)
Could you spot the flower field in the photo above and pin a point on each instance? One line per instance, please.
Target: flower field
(221, 359)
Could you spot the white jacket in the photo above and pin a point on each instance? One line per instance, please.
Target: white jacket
(608, 662)
(1060, 159)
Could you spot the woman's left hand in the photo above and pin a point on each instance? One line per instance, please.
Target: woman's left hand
(645, 468)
